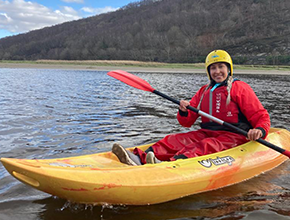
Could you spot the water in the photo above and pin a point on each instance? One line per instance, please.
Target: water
(63, 113)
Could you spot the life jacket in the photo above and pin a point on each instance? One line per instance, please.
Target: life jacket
(214, 103)
(244, 110)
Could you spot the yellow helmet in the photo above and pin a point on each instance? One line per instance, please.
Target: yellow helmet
(218, 56)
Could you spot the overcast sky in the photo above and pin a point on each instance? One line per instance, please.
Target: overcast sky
(20, 16)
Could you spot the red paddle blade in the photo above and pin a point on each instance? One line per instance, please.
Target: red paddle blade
(131, 80)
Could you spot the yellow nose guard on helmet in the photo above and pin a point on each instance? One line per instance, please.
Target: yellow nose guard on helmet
(218, 56)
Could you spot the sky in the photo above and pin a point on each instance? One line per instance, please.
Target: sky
(21, 16)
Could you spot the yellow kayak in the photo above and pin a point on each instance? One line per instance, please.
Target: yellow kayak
(102, 179)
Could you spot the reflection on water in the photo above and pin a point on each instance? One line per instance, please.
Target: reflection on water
(58, 113)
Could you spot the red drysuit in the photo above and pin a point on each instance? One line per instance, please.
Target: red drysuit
(244, 111)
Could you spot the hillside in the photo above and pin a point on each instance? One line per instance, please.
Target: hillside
(252, 31)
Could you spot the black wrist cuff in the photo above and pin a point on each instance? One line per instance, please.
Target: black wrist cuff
(263, 131)
(182, 113)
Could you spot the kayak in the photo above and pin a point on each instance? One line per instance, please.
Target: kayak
(101, 179)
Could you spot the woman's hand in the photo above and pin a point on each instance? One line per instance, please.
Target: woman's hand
(254, 134)
(183, 105)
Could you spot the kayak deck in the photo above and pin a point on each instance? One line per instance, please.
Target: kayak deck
(100, 178)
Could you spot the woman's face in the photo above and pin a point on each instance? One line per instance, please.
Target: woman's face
(218, 72)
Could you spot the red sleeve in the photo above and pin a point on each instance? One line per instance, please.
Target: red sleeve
(250, 106)
(189, 118)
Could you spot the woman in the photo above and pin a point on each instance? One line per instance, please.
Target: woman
(230, 100)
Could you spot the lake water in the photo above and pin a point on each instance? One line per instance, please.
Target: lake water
(63, 113)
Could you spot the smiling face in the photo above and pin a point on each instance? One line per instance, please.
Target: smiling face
(218, 72)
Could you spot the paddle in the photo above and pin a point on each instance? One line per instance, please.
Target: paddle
(139, 83)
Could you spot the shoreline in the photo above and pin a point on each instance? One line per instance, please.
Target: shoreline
(132, 68)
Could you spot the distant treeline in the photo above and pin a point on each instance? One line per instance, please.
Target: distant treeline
(183, 31)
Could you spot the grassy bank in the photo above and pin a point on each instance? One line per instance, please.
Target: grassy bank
(127, 63)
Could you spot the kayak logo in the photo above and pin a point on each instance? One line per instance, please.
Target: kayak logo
(217, 162)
